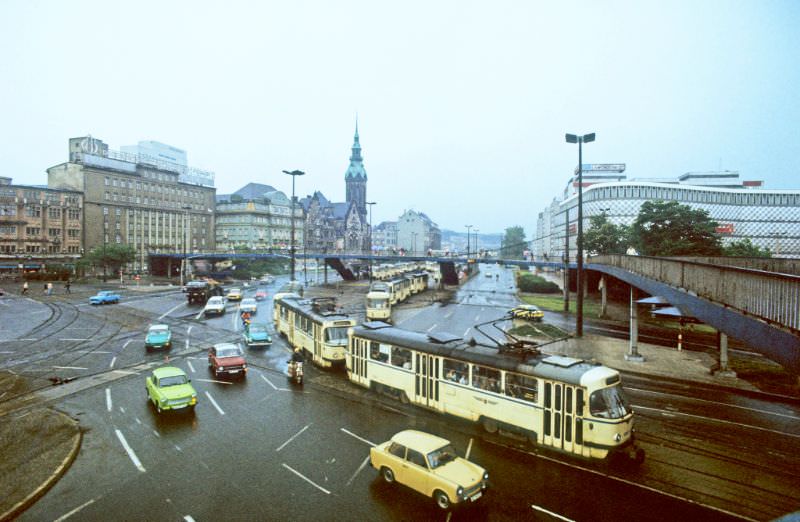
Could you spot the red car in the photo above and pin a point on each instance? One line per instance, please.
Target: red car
(261, 295)
(227, 359)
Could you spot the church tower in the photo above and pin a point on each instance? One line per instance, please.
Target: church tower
(356, 178)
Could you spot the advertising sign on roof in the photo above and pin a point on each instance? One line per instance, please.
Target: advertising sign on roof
(603, 167)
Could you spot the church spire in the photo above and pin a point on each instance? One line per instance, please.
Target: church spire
(356, 169)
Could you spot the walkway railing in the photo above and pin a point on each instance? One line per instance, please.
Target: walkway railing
(770, 296)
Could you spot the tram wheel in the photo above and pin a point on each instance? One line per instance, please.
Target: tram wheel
(490, 425)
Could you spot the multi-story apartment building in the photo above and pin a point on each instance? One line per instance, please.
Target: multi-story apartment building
(384, 236)
(137, 200)
(258, 217)
(417, 234)
(40, 222)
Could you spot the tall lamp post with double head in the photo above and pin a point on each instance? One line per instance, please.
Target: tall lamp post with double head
(476, 242)
(186, 209)
(580, 140)
(370, 203)
(293, 174)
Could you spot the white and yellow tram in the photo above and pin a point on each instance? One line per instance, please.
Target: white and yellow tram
(315, 327)
(378, 302)
(559, 402)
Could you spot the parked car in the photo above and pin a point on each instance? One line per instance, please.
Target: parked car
(429, 464)
(158, 336)
(104, 297)
(248, 305)
(266, 280)
(234, 294)
(226, 359)
(215, 305)
(261, 295)
(169, 388)
(256, 335)
(526, 311)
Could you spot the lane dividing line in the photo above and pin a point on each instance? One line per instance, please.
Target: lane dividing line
(131, 454)
(466, 332)
(268, 382)
(189, 331)
(431, 328)
(190, 364)
(157, 434)
(70, 368)
(556, 515)
(73, 339)
(292, 438)
(357, 437)
(364, 463)
(722, 421)
(199, 315)
(170, 311)
(129, 341)
(212, 380)
(187, 344)
(215, 403)
(67, 515)
(113, 360)
(306, 479)
(188, 518)
(108, 400)
(469, 448)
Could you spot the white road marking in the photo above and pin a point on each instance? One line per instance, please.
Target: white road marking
(556, 515)
(364, 463)
(137, 420)
(212, 380)
(431, 328)
(109, 406)
(469, 448)
(170, 311)
(26, 339)
(121, 409)
(73, 339)
(306, 479)
(188, 518)
(466, 332)
(215, 403)
(190, 364)
(268, 382)
(131, 454)
(113, 360)
(126, 372)
(357, 437)
(157, 434)
(92, 351)
(448, 316)
(177, 447)
(199, 315)
(70, 368)
(476, 318)
(292, 438)
(722, 421)
(129, 341)
(67, 515)
(187, 344)
(189, 331)
(6, 352)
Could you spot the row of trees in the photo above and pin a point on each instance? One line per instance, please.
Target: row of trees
(662, 228)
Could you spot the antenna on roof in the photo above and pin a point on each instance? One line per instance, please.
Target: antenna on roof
(514, 345)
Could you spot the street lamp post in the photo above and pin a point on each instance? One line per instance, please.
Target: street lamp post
(293, 174)
(186, 209)
(580, 140)
(468, 227)
(476, 242)
(370, 203)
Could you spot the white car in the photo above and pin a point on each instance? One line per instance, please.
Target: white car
(248, 305)
(215, 305)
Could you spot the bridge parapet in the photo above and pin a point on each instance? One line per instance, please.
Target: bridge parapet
(773, 297)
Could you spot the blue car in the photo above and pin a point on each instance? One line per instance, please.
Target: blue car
(104, 297)
(158, 336)
(256, 335)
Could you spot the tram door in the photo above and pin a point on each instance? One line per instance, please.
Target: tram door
(563, 422)
(317, 342)
(426, 380)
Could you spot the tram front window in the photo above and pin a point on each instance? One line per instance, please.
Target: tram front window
(336, 336)
(377, 303)
(609, 403)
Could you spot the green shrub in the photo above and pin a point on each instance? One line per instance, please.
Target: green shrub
(528, 282)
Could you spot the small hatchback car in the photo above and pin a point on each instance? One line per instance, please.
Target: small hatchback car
(168, 388)
(226, 359)
(526, 311)
(158, 336)
(429, 465)
(215, 305)
(234, 294)
(248, 305)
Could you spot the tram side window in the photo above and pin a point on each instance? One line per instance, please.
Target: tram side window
(401, 357)
(284, 313)
(377, 352)
(455, 371)
(521, 387)
(486, 378)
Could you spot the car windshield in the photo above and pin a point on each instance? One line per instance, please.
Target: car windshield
(158, 330)
(441, 456)
(232, 351)
(609, 403)
(215, 300)
(336, 335)
(257, 328)
(234, 291)
(172, 380)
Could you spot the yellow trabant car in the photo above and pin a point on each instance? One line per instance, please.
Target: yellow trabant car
(234, 294)
(429, 465)
(527, 311)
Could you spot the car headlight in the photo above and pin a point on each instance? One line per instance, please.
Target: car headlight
(617, 437)
(194, 400)
(220, 368)
(460, 491)
(485, 475)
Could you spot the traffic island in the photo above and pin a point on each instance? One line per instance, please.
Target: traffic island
(37, 447)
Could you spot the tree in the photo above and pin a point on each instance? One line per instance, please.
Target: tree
(745, 248)
(112, 256)
(514, 242)
(604, 237)
(667, 228)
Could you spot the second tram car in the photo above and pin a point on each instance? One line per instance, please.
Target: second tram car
(566, 404)
(314, 326)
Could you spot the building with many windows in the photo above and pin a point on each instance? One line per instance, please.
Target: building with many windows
(742, 209)
(384, 236)
(417, 234)
(40, 222)
(136, 200)
(257, 217)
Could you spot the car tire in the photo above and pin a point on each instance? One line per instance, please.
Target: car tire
(490, 425)
(442, 500)
(158, 408)
(388, 475)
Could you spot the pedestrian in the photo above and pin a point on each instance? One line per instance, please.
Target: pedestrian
(45, 289)
(24, 288)
(49, 288)
(66, 286)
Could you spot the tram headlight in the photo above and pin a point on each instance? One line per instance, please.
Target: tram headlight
(617, 437)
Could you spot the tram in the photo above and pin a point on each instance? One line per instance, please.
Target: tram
(378, 302)
(566, 404)
(313, 326)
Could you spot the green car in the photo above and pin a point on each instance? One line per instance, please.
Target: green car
(169, 388)
(256, 335)
(158, 336)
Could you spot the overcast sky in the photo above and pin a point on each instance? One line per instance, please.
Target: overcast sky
(462, 106)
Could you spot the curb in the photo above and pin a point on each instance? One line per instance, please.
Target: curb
(28, 501)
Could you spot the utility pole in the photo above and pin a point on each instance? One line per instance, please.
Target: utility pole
(293, 174)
